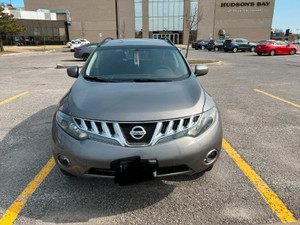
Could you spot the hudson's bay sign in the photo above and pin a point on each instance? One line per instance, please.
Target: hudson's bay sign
(244, 4)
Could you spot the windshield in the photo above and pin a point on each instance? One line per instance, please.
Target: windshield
(143, 63)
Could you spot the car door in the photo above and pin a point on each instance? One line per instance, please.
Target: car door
(239, 43)
(286, 48)
(280, 47)
(245, 44)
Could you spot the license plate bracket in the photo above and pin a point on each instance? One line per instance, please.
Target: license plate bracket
(133, 170)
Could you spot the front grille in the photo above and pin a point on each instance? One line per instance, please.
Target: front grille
(127, 128)
(137, 133)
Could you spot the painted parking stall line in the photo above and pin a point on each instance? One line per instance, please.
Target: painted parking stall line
(12, 98)
(270, 197)
(280, 99)
(14, 210)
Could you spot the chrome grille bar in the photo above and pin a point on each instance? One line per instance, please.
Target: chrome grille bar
(101, 129)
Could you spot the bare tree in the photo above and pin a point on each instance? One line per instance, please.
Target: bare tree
(82, 29)
(191, 22)
(42, 30)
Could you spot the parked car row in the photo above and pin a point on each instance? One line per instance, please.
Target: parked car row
(270, 47)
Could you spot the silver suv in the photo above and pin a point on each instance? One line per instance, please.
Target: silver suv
(135, 112)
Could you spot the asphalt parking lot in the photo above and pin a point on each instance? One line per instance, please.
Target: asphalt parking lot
(259, 101)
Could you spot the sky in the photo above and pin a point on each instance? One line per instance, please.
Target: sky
(286, 13)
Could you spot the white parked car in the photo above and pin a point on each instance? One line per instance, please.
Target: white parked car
(83, 41)
(297, 41)
(75, 44)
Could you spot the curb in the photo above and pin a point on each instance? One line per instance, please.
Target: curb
(30, 48)
(29, 53)
(63, 66)
(218, 63)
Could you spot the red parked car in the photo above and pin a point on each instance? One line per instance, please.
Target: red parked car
(272, 47)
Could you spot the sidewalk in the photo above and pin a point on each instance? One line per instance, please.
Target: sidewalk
(33, 47)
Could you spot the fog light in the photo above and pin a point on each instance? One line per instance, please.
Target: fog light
(64, 161)
(211, 157)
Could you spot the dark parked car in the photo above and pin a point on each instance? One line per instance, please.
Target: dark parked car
(201, 45)
(83, 52)
(195, 43)
(238, 44)
(215, 45)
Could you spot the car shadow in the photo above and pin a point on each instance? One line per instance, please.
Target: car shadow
(61, 199)
(71, 60)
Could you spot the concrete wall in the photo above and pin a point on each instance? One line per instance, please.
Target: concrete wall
(207, 14)
(89, 17)
(126, 18)
(253, 22)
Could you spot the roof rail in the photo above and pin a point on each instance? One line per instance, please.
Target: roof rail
(104, 41)
(169, 41)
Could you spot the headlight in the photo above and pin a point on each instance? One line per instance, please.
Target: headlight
(206, 120)
(67, 123)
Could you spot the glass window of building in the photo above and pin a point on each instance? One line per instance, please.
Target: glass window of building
(166, 19)
(138, 13)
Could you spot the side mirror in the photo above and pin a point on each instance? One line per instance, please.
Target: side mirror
(201, 69)
(73, 71)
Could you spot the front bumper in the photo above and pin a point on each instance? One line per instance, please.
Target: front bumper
(91, 158)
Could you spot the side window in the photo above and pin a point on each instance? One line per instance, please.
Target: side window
(284, 44)
(239, 41)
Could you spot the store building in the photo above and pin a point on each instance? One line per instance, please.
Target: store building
(41, 26)
(95, 19)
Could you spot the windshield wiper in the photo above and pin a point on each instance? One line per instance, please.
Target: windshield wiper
(98, 79)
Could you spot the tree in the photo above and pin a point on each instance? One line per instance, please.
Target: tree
(8, 26)
(191, 22)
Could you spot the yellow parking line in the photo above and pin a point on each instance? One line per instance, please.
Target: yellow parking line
(271, 198)
(7, 100)
(277, 98)
(13, 211)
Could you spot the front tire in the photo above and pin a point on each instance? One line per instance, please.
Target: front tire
(202, 47)
(216, 49)
(293, 51)
(252, 49)
(235, 50)
(272, 52)
(209, 49)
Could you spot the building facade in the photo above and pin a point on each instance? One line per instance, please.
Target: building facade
(41, 26)
(96, 19)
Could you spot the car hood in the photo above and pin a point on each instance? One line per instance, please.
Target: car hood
(135, 101)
